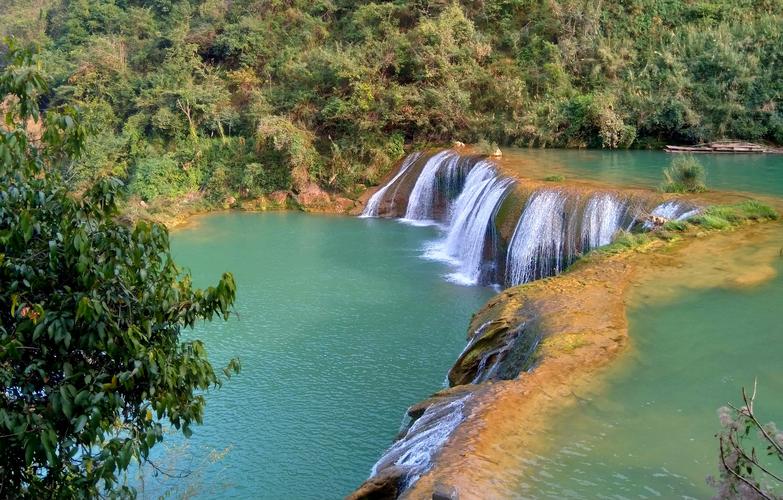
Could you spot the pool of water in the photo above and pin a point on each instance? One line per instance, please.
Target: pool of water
(649, 431)
(756, 173)
(341, 326)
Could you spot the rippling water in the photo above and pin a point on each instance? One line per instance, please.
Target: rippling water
(341, 327)
(649, 431)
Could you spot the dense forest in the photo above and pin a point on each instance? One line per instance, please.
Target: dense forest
(224, 99)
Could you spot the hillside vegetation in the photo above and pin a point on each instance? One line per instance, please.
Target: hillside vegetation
(242, 98)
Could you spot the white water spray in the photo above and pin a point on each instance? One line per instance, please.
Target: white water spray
(422, 197)
(602, 218)
(536, 248)
(374, 203)
(471, 219)
(414, 452)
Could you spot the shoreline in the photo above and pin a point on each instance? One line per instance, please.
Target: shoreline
(585, 315)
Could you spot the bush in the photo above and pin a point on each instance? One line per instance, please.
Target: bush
(162, 177)
(685, 175)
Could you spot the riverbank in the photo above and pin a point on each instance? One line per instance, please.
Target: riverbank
(532, 348)
(178, 213)
(582, 318)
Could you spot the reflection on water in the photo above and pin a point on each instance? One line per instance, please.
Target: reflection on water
(751, 173)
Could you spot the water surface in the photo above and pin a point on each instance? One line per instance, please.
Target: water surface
(756, 173)
(341, 327)
(649, 430)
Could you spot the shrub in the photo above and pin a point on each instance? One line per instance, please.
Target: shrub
(725, 216)
(685, 175)
(675, 225)
(162, 176)
(711, 221)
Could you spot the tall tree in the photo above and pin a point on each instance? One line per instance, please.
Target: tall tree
(92, 360)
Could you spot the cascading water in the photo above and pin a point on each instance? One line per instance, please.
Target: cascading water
(673, 210)
(422, 197)
(413, 453)
(536, 247)
(602, 218)
(374, 203)
(471, 221)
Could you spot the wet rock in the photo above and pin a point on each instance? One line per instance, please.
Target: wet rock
(458, 144)
(444, 492)
(417, 410)
(385, 485)
(498, 153)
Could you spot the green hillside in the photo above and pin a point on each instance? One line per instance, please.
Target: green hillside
(245, 97)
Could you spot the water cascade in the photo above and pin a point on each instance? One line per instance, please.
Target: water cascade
(602, 219)
(536, 248)
(414, 452)
(471, 222)
(675, 210)
(422, 198)
(374, 203)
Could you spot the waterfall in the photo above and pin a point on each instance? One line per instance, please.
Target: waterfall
(673, 210)
(422, 197)
(374, 203)
(602, 218)
(415, 451)
(471, 221)
(536, 247)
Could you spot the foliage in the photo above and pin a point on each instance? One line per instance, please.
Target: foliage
(347, 85)
(625, 240)
(744, 473)
(554, 178)
(685, 175)
(91, 313)
(725, 216)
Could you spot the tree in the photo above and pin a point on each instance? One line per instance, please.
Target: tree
(91, 314)
(743, 473)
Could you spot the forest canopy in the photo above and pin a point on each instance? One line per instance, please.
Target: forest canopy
(245, 97)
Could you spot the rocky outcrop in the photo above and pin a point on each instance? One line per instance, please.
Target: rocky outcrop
(385, 485)
(311, 196)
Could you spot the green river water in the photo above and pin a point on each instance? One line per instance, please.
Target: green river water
(341, 327)
(649, 432)
(752, 173)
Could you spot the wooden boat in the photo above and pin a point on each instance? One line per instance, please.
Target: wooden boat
(724, 147)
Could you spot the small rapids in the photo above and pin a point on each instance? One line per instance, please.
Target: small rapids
(414, 452)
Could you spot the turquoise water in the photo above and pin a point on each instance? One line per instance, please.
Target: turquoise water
(650, 431)
(341, 327)
(758, 173)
